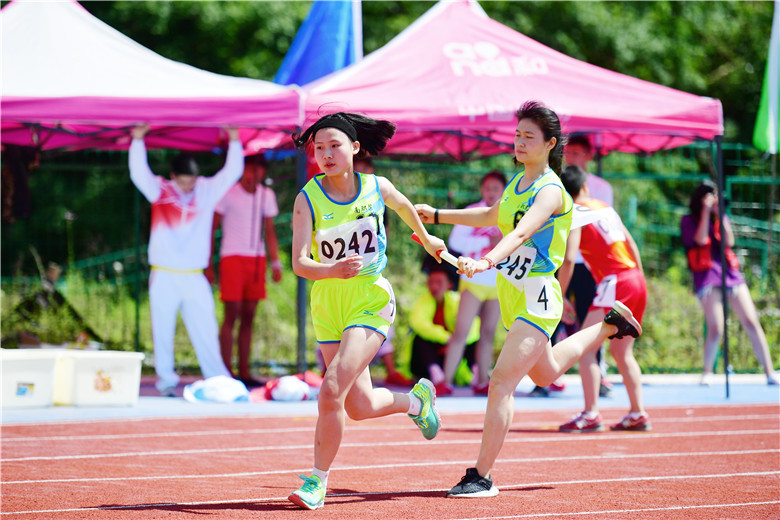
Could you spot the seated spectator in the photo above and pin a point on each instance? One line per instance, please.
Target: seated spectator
(433, 319)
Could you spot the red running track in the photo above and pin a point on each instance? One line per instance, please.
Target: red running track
(699, 462)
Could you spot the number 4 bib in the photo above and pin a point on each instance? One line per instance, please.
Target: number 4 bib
(538, 289)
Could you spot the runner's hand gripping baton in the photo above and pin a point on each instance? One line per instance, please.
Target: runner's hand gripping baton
(445, 255)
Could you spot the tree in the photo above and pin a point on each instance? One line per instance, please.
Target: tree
(715, 49)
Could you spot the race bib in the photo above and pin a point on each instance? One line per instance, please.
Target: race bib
(355, 237)
(610, 227)
(516, 267)
(539, 296)
(388, 311)
(605, 292)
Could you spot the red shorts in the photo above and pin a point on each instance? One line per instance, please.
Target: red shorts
(628, 287)
(242, 278)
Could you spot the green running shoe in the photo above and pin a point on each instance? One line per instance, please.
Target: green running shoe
(428, 421)
(311, 494)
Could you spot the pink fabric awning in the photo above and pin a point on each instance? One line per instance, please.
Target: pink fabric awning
(71, 81)
(452, 80)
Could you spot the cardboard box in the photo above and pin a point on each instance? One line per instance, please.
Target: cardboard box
(28, 376)
(98, 378)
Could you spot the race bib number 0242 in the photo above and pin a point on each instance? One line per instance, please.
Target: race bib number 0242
(356, 237)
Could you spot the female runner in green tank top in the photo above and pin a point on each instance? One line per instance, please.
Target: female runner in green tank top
(534, 215)
(339, 242)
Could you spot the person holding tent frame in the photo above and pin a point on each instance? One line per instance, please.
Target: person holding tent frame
(179, 248)
(339, 241)
(535, 215)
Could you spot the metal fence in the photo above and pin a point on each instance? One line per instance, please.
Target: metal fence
(87, 216)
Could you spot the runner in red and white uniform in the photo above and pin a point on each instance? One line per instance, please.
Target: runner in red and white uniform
(613, 258)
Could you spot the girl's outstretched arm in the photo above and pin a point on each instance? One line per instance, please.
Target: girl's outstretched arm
(475, 217)
(302, 263)
(547, 203)
(398, 202)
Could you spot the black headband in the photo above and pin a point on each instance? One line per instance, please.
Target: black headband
(337, 122)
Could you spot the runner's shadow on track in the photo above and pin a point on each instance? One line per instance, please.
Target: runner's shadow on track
(235, 508)
(336, 496)
(542, 429)
(346, 496)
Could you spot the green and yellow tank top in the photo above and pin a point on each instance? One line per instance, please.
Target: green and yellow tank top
(345, 228)
(542, 254)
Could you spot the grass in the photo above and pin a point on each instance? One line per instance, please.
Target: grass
(672, 341)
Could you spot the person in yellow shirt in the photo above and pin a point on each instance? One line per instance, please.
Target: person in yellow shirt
(433, 320)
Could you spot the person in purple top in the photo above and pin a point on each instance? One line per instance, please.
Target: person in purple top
(701, 236)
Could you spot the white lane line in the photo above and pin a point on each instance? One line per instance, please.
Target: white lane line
(437, 463)
(624, 511)
(510, 439)
(306, 429)
(251, 414)
(427, 491)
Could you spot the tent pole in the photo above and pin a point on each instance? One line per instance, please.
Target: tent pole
(771, 219)
(722, 245)
(301, 292)
(137, 284)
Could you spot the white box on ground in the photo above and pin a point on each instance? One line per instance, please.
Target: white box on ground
(28, 377)
(98, 378)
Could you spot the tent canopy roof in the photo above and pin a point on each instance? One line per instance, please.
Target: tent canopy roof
(65, 69)
(453, 79)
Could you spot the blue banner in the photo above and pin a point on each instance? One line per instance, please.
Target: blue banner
(329, 39)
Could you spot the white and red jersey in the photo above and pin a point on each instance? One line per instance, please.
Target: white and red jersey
(474, 242)
(598, 189)
(180, 237)
(603, 244)
(243, 214)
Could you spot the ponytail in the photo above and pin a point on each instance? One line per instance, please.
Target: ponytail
(548, 122)
(372, 134)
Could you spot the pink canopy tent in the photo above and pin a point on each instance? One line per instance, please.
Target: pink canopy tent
(70, 81)
(452, 80)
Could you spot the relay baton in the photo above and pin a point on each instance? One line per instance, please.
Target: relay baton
(445, 255)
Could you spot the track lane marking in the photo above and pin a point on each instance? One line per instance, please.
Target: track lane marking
(527, 460)
(509, 440)
(253, 414)
(307, 429)
(391, 493)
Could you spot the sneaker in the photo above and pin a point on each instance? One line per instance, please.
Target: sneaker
(311, 494)
(443, 389)
(621, 317)
(558, 386)
(771, 380)
(581, 423)
(481, 389)
(604, 390)
(706, 379)
(251, 382)
(428, 421)
(473, 486)
(627, 423)
(168, 392)
(539, 391)
(398, 379)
